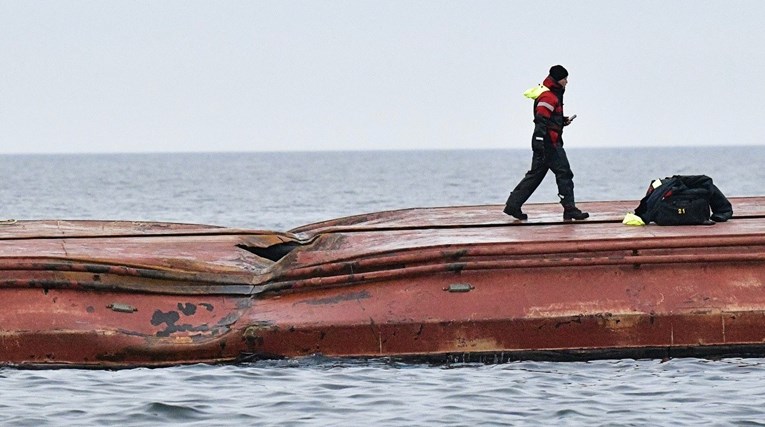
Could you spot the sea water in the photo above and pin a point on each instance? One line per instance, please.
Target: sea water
(280, 191)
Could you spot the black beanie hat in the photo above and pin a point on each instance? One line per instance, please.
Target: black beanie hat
(558, 73)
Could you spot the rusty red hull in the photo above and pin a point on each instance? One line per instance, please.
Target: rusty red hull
(436, 283)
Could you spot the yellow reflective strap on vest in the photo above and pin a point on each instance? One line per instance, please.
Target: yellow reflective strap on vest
(535, 91)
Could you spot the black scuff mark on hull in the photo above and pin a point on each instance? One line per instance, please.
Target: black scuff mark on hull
(102, 269)
(455, 268)
(455, 255)
(170, 319)
(188, 309)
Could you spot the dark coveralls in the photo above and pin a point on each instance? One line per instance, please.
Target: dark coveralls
(547, 147)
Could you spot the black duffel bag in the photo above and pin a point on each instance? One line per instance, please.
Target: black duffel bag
(684, 200)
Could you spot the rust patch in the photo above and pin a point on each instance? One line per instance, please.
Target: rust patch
(581, 308)
(351, 296)
(481, 344)
(611, 322)
(253, 334)
(576, 319)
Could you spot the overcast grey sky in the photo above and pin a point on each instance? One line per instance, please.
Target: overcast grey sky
(158, 76)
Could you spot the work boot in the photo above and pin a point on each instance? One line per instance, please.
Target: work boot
(515, 213)
(572, 212)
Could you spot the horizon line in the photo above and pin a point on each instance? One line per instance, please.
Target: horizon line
(371, 150)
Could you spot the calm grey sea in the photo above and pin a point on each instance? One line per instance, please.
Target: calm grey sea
(284, 190)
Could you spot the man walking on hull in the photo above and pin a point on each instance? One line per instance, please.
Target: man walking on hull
(547, 148)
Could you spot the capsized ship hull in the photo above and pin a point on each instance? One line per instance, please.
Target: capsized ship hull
(451, 283)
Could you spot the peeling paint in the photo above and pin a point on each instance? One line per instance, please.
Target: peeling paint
(188, 309)
(480, 344)
(747, 282)
(170, 318)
